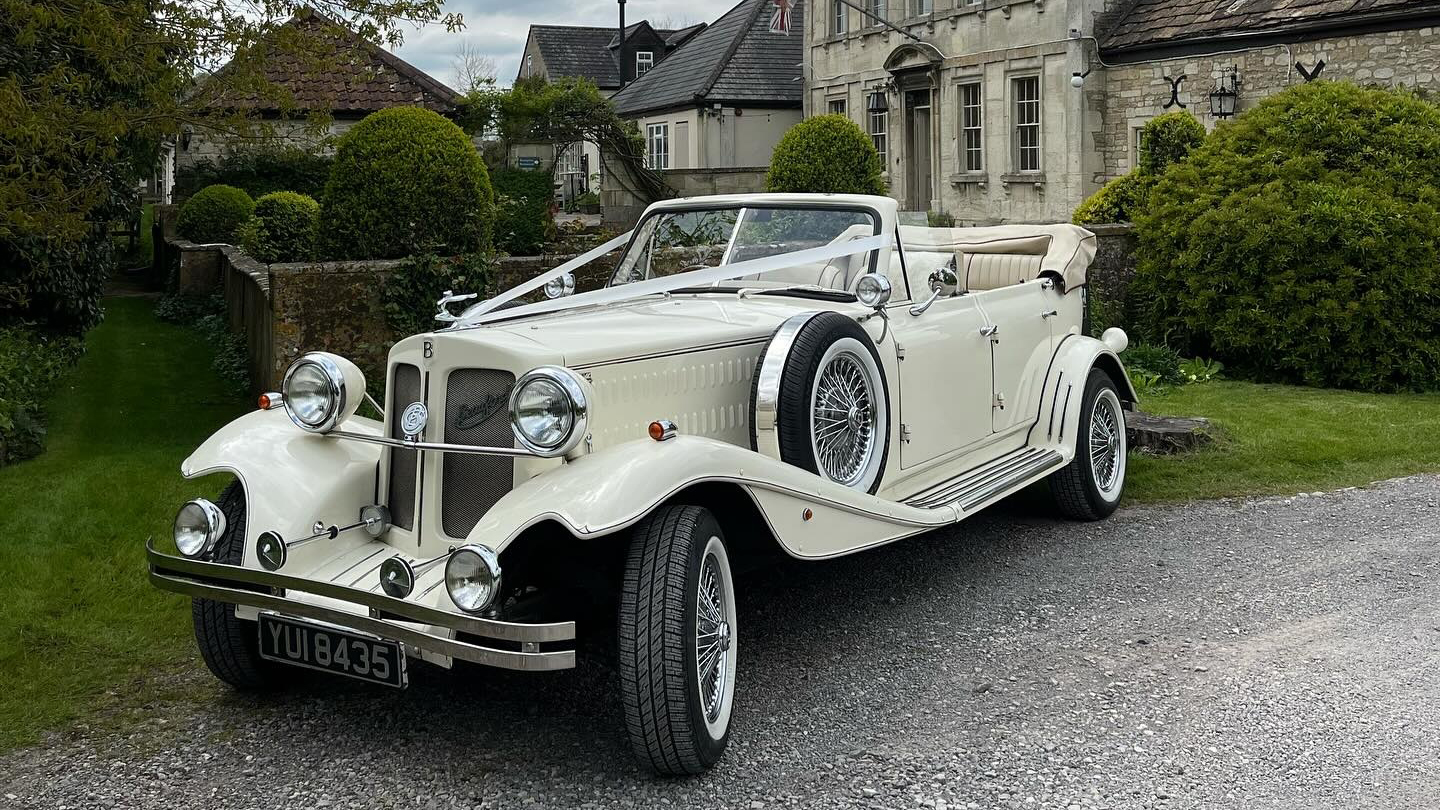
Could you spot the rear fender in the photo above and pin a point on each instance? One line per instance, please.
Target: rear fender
(291, 478)
(1059, 419)
(612, 489)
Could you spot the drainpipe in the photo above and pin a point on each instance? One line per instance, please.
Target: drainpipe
(620, 53)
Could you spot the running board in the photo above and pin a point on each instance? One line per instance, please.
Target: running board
(979, 485)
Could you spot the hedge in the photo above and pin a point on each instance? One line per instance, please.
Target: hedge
(257, 173)
(523, 221)
(1301, 242)
(405, 181)
(282, 228)
(1116, 201)
(214, 214)
(826, 154)
(30, 363)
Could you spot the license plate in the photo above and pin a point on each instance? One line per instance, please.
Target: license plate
(331, 649)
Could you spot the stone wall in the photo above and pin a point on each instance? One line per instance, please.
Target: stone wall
(1129, 95)
(622, 208)
(1111, 273)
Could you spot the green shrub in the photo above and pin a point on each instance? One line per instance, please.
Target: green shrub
(1301, 243)
(412, 289)
(523, 222)
(55, 280)
(1167, 139)
(282, 228)
(1116, 201)
(1155, 360)
(826, 154)
(214, 214)
(405, 180)
(30, 362)
(258, 172)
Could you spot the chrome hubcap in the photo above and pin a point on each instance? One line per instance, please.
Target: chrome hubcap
(712, 637)
(844, 419)
(1107, 444)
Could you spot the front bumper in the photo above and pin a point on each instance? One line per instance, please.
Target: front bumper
(507, 645)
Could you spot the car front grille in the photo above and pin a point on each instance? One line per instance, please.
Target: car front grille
(477, 412)
(404, 390)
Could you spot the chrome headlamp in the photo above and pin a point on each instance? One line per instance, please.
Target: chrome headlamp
(321, 390)
(548, 410)
(472, 577)
(198, 526)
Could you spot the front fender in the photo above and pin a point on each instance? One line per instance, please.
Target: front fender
(291, 478)
(610, 490)
(1059, 418)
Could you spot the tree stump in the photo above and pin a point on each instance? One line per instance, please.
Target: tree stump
(1166, 435)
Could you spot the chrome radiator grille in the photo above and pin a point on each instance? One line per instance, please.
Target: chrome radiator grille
(477, 412)
(405, 389)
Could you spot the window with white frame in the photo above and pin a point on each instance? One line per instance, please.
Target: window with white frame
(1025, 92)
(840, 23)
(1139, 146)
(972, 128)
(880, 132)
(644, 60)
(877, 12)
(920, 8)
(657, 146)
(836, 106)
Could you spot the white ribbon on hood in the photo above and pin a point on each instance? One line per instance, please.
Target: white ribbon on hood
(485, 312)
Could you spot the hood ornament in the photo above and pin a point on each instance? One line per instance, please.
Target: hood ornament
(442, 307)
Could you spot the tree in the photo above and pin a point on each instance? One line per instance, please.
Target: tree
(471, 70)
(88, 91)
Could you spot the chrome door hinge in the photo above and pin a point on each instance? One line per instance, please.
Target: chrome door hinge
(899, 352)
(1000, 401)
(904, 433)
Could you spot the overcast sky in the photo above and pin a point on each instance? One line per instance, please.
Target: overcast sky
(498, 29)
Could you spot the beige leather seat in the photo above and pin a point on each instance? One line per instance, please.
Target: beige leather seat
(989, 271)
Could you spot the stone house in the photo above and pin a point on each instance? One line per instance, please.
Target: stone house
(342, 75)
(594, 53)
(1016, 110)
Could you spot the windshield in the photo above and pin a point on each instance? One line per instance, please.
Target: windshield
(678, 241)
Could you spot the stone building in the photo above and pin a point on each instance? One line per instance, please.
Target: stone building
(342, 75)
(594, 53)
(1016, 110)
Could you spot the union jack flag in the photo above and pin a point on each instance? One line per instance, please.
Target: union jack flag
(780, 18)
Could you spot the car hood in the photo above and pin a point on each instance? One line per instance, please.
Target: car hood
(647, 327)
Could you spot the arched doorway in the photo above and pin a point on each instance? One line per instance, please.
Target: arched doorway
(915, 68)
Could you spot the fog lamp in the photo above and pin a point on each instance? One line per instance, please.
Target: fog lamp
(198, 526)
(472, 577)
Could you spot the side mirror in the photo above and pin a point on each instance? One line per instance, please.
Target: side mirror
(560, 286)
(944, 283)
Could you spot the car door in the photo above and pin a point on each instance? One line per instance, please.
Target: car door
(1018, 319)
(945, 385)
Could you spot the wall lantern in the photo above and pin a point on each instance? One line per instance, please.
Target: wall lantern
(1222, 98)
(185, 134)
(877, 102)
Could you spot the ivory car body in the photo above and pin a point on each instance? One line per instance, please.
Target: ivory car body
(792, 374)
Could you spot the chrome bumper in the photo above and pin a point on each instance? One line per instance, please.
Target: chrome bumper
(386, 616)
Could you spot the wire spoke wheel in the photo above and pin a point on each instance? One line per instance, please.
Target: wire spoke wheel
(712, 637)
(843, 419)
(1107, 443)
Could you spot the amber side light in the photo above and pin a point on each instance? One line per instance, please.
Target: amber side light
(270, 399)
(662, 429)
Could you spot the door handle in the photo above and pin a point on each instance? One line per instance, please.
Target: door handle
(990, 330)
(1049, 313)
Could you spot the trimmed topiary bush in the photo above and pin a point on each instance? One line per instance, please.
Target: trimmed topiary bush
(826, 154)
(214, 214)
(258, 172)
(1116, 201)
(523, 222)
(283, 228)
(1167, 139)
(405, 180)
(1301, 243)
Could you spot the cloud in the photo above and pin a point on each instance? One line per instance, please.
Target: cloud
(498, 29)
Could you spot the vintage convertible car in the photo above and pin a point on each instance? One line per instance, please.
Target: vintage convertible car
(770, 373)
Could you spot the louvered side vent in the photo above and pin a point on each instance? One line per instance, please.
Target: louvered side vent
(477, 412)
(402, 462)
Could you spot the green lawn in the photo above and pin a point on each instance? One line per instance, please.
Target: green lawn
(80, 627)
(1282, 439)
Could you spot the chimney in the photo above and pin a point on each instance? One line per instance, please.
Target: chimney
(621, 53)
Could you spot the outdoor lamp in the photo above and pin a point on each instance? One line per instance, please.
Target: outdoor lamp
(1223, 99)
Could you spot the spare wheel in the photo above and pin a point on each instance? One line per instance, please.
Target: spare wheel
(820, 401)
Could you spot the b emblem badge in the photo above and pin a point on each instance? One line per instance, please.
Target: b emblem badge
(412, 421)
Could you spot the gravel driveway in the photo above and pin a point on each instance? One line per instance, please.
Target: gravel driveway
(1255, 653)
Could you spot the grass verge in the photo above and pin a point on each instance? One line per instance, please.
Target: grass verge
(79, 623)
(1284, 439)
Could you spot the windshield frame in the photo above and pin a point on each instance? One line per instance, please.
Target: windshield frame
(742, 206)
